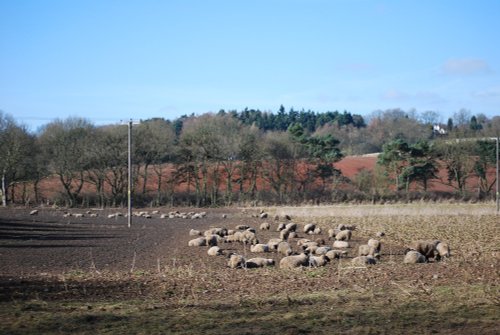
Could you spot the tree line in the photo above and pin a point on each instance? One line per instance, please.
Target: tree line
(247, 156)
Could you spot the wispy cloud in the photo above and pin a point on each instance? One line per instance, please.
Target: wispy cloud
(465, 67)
(492, 92)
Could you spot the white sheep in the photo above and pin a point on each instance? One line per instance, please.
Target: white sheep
(364, 260)
(284, 234)
(273, 243)
(322, 250)
(291, 226)
(265, 226)
(197, 242)
(336, 254)
(259, 248)
(242, 227)
(295, 261)
(375, 244)
(302, 241)
(413, 257)
(194, 232)
(236, 261)
(317, 261)
(284, 248)
(427, 248)
(343, 235)
(309, 227)
(443, 250)
(341, 244)
(34, 212)
(214, 251)
(280, 227)
(331, 233)
(368, 250)
(259, 262)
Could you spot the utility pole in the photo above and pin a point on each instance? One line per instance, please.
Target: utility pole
(129, 186)
(497, 182)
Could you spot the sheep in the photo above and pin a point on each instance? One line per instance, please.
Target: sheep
(295, 261)
(217, 231)
(34, 212)
(341, 244)
(443, 250)
(291, 226)
(194, 232)
(380, 234)
(368, 250)
(213, 240)
(284, 234)
(317, 261)
(236, 261)
(331, 233)
(247, 237)
(263, 215)
(308, 244)
(284, 248)
(280, 227)
(273, 243)
(259, 248)
(336, 254)
(67, 215)
(197, 242)
(265, 226)
(302, 241)
(231, 238)
(346, 227)
(426, 248)
(259, 262)
(315, 231)
(309, 227)
(214, 251)
(242, 227)
(311, 249)
(322, 250)
(93, 215)
(364, 260)
(375, 244)
(343, 235)
(413, 257)
(293, 234)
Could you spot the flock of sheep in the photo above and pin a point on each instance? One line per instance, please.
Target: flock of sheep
(310, 251)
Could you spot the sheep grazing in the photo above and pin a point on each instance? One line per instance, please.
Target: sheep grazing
(315, 231)
(302, 241)
(248, 237)
(259, 262)
(331, 233)
(368, 250)
(66, 215)
(308, 244)
(413, 257)
(341, 244)
(322, 250)
(214, 251)
(197, 242)
(291, 226)
(375, 244)
(34, 212)
(295, 261)
(217, 231)
(265, 226)
(364, 260)
(273, 243)
(236, 261)
(346, 227)
(336, 254)
(259, 248)
(93, 215)
(263, 215)
(284, 234)
(213, 240)
(317, 261)
(309, 227)
(280, 227)
(443, 250)
(343, 235)
(284, 248)
(426, 248)
(380, 234)
(194, 232)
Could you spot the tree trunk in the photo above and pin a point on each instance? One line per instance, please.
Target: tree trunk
(4, 192)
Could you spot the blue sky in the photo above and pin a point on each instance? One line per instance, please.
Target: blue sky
(115, 60)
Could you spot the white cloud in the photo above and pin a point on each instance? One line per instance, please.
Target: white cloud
(465, 67)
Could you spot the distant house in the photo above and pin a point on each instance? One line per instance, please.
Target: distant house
(439, 130)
